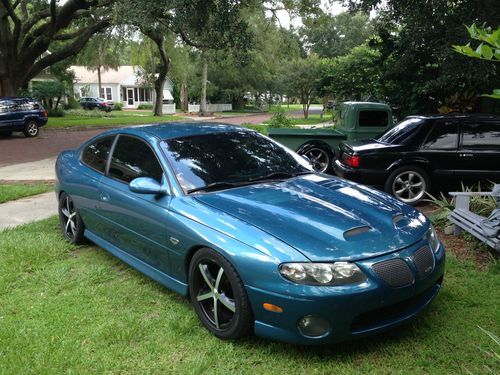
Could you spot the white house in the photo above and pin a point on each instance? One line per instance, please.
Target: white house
(121, 85)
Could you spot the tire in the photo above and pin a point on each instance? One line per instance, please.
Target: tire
(227, 313)
(409, 184)
(31, 129)
(71, 223)
(320, 157)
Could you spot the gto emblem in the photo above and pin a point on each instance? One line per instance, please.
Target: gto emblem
(174, 240)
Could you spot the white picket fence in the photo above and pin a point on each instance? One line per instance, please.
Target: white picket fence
(168, 109)
(211, 107)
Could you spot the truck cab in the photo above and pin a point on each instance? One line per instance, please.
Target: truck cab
(356, 121)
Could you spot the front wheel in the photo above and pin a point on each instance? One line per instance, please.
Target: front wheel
(219, 296)
(31, 129)
(408, 184)
(320, 157)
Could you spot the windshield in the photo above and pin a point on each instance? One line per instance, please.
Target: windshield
(401, 133)
(230, 157)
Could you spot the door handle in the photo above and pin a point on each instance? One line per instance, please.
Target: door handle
(104, 196)
(467, 156)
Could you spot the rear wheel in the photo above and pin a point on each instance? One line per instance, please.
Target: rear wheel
(31, 129)
(70, 221)
(219, 296)
(408, 184)
(319, 156)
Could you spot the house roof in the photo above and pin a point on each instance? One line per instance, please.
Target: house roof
(125, 75)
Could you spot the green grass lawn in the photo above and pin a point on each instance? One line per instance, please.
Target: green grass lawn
(9, 192)
(67, 309)
(115, 118)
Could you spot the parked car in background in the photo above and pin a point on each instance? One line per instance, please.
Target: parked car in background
(21, 114)
(357, 120)
(96, 103)
(244, 227)
(423, 151)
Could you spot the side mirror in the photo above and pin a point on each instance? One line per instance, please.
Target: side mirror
(147, 185)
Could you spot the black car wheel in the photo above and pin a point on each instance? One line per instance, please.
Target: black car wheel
(319, 156)
(71, 223)
(408, 184)
(218, 296)
(31, 129)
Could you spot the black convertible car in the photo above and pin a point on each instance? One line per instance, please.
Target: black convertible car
(425, 150)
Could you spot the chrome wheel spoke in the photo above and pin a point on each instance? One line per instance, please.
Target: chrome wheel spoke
(216, 313)
(65, 212)
(228, 303)
(219, 277)
(206, 276)
(400, 191)
(205, 296)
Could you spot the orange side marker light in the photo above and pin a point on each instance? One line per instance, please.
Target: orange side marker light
(271, 307)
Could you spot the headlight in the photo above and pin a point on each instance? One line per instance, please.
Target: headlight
(433, 239)
(338, 273)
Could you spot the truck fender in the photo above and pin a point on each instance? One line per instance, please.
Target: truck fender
(314, 143)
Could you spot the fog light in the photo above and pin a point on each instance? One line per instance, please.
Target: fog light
(313, 326)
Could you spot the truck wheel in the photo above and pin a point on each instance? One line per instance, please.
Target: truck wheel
(408, 184)
(31, 129)
(321, 157)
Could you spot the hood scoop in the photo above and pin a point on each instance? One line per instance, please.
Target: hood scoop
(348, 234)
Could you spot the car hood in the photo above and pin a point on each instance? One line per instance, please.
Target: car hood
(325, 218)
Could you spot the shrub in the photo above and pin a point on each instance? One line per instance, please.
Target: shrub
(71, 104)
(86, 113)
(280, 120)
(118, 106)
(258, 127)
(145, 106)
(55, 112)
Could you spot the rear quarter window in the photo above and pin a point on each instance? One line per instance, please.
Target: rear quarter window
(96, 154)
(481, 136)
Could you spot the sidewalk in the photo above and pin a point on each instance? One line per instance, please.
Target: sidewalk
(27, 210)
(42, 170)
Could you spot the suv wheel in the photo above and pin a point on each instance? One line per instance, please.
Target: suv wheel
(31, 129)
(408, 184)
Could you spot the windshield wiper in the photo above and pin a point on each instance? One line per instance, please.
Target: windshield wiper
(217, 185)
(277, 175)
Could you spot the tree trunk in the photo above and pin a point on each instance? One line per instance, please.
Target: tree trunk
(204, 71)
(184, 97)
(7, 87)
(99, 82)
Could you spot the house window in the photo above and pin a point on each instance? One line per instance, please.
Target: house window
(141, 94)
(106, 93)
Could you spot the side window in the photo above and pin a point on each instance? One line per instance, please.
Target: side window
(133, 158)
(373, 118)
(5, 106)
(481, 136)
(96, 154)
(443, 136)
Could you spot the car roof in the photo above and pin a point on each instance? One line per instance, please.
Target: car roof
(476, 116)
(172, 130)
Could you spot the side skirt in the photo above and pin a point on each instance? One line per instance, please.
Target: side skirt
(139, 265)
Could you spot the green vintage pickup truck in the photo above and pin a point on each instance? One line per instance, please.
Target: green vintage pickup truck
(357, 120)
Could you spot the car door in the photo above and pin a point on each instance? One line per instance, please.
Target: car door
(135, 223)
(479, 150)
(440, 149)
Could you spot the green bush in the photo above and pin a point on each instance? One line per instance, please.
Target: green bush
(71, 104)
(58, 112)
(145, 106)
(92, 113)
(280, 119)
(118, 106)
(258, 127)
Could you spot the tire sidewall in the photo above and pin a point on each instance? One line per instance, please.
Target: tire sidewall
(240, 325)
(419, 170)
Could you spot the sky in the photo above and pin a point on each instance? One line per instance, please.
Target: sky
(332, 8)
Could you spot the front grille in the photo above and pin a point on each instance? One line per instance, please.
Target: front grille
(394, 272)
(424, 261)
(385, 314)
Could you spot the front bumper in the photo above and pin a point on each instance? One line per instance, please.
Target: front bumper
(353, 311)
